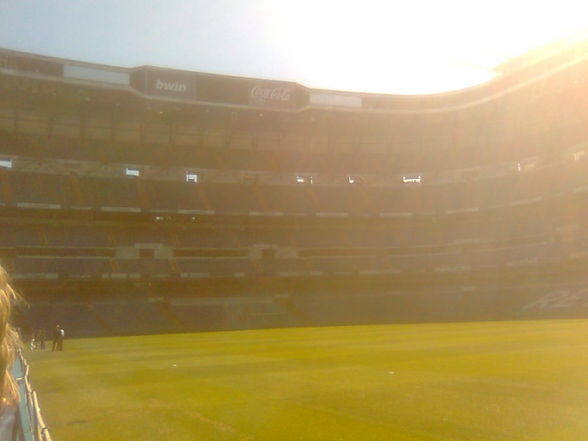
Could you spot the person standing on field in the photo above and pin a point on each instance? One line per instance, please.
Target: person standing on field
(57, 339)
(61, 338)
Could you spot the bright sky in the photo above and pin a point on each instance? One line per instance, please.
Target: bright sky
(386, 46)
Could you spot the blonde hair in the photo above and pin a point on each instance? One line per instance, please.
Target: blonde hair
(8, 341)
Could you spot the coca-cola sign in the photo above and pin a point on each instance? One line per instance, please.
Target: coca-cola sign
(271, 95)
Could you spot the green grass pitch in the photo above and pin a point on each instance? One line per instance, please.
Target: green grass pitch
(463, 381)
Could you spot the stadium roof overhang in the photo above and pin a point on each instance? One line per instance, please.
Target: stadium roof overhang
(167, 91)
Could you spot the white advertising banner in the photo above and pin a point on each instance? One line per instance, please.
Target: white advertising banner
(96, 74)
(335, 100)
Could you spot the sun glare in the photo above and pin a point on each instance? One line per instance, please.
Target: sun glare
(413, 47)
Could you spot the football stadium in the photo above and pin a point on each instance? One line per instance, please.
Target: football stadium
(243, 259)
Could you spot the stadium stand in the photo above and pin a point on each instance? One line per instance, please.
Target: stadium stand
(125, 211)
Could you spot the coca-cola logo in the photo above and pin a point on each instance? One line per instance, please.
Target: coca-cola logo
(263, 94)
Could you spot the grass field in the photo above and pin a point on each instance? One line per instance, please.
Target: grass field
(464, 381)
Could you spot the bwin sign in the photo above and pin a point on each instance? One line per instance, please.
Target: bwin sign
(170, 86)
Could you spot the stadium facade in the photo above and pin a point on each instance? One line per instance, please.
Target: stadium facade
(156, 200)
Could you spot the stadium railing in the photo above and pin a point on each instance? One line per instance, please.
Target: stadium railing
(30, 425)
